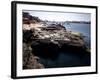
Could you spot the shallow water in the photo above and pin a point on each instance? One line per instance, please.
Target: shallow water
(71, 59)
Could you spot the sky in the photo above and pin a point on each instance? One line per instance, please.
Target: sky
(60, 16)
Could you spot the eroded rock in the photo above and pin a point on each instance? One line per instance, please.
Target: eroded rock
(29, 60)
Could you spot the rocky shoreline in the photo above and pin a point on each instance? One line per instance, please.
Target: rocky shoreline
(47, 40)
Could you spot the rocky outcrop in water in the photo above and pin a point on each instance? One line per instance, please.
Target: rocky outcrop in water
(47, 40)
(55, 36)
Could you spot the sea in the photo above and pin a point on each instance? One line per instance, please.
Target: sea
(83, 28)
(70, 59)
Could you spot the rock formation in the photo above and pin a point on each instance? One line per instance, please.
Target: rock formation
(30, 61)
(47, 40)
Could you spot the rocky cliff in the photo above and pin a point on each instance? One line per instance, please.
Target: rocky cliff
(47, 40)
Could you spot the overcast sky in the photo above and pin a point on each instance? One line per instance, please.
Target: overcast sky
(60, 16)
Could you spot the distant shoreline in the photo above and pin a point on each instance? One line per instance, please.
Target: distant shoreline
(85, 22)
(79, 22)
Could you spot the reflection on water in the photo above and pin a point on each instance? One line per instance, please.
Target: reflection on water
(68, 59)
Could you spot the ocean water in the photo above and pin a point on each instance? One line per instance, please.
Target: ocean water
(83, 28)
(70, 59)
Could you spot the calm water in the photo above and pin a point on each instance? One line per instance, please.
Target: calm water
(85, 29)
(70, 59)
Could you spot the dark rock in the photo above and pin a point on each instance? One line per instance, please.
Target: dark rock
(72, 48)
(28, 19)
(25, 15)
(29, 60)
(45, 48)
(27, 35)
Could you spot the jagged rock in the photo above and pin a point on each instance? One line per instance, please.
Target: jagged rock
(55, 36)
(47, 39)
(27, 35)
(27, 18)
(29, 60)
(45, 48)
(46, 42)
